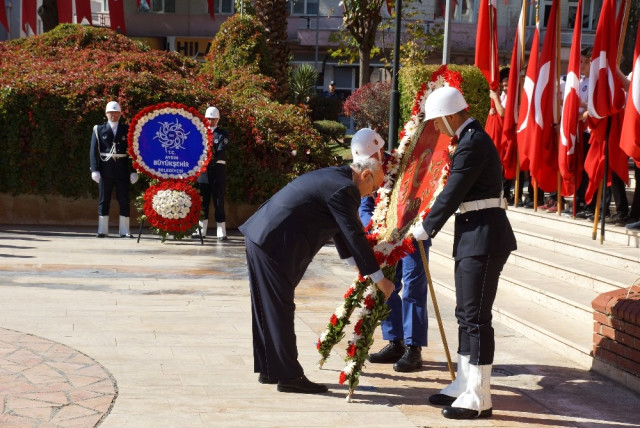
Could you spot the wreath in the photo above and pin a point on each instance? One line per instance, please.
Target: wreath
(172, 207)
(389, 246)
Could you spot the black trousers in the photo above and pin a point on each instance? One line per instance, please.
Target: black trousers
(275, 352)
(215, 188)
(105, 188)
(476, 281)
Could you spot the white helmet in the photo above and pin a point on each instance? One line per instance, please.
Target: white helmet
(365, 143)
(212, 113)
(443, 102)
(113, 106)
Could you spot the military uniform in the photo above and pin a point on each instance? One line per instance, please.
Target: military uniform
(213, 182)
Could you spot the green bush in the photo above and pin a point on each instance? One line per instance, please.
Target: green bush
(474, 88)
(54, 88)
(330, 130)
(325, 108)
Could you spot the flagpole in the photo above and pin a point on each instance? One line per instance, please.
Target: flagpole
(395, 94)
(521, 29)
(556, 118)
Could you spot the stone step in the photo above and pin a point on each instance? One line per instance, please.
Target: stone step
(567, 336)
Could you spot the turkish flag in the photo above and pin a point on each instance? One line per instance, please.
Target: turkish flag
(630, 138)
(83, 10)
(65, 11)
(29, 15)
(211, 5)
(569, 160)
(3, 16)
(116, 15)
(509, 144)
(539, 145)
(487, 36)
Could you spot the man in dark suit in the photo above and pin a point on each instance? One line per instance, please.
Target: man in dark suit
(482, 243)
(111, 166)
(282, 238)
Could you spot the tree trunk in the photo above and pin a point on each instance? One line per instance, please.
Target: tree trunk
(49, 14)
(365, 60)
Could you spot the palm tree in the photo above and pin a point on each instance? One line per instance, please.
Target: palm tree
(273, 15)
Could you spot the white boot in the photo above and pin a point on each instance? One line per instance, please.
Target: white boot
(103, 226)
(203, 224)
(455, 388)
(123, 227)
(222, 231)
(475, 401)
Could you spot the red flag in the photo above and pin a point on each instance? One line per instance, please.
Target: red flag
(65, 11)
(606, 99)
(83, 10)
(539, 146)
(630, 139)
(3, 16)
(569, 161)
(211, 8)
(487, 36)
(29, 15)
(526, 109)
(116, 15)
(510, 121)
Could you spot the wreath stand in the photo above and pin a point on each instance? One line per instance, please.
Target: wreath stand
(142, 225)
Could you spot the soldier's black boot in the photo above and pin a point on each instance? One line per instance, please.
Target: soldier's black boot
(410, 361)
(389, 354)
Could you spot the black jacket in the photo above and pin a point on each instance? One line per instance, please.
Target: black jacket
(476, 173)
(298, 220)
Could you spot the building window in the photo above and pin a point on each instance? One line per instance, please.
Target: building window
(302, 7)
(157, 6)
(459, 10)
(224, 7)
(590, 14)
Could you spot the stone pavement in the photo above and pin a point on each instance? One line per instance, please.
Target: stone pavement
(116, 333)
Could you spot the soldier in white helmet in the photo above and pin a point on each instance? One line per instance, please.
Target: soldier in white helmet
(406, 326)
(212, 184)
(111, 167)
(483, 240)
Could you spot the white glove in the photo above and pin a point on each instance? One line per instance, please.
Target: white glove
(95, 176)
(133, 177)
(418, 232)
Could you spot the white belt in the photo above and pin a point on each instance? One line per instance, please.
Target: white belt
(481, 204)
(221, 161)
(114, 155)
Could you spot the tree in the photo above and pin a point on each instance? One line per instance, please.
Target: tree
(361, 19)
(273, 16)
(48, 12)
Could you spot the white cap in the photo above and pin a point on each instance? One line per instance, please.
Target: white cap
(113, 106)
(365, 143)
(443, 102)
(212, 113)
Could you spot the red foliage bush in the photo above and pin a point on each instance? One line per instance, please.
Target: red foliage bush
(369, 106)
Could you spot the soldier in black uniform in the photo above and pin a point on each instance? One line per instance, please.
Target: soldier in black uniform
(213, 182)
(111, 166)
(483, 240)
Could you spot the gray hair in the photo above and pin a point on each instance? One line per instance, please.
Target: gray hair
(371, 164)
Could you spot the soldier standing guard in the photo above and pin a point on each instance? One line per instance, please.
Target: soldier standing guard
(111, 166)
(213, 182)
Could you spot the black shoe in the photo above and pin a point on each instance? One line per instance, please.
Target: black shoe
(222, 238)
(410, 361)
(264, 378)
(626, 220)
(389, 354)
(301, 385)
(442, 399)
(101, 235)
(460, 413)
(126, 235)
(615, 218)
(584, 214)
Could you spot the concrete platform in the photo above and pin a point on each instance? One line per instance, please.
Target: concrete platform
(116, 333)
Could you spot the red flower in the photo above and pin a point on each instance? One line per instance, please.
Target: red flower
(167, 224)
(349, 293)
(369, 303)
(333, 320)
(358, 327)
(343, 377)
(318, 344)
(351, 350)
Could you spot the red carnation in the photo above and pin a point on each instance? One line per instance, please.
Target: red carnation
(358, 327)
(349, 292)
(343, 377)
(369, 302)
(351, 350)
(334, 320)
(318, 344)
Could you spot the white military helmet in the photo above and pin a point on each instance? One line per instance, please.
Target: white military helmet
(212, 113)
(443, 102)
(112, 106)
(365, 143)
